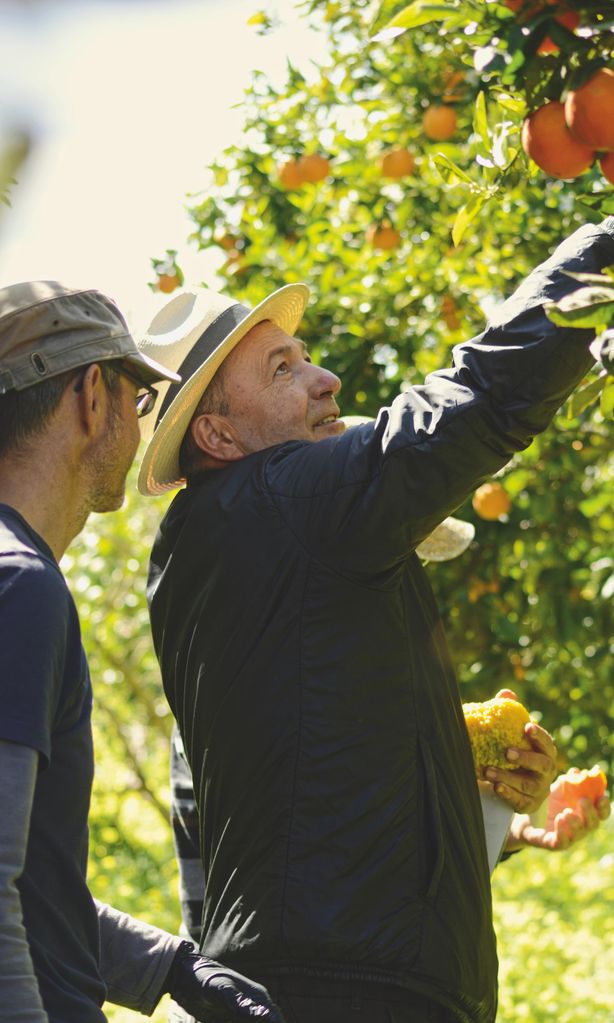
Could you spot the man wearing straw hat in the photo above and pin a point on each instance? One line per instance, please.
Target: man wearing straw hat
(302, 654)
(72, 386)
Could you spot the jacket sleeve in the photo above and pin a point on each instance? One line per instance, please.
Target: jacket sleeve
(21, 997)
(364, 501)
(135, 959)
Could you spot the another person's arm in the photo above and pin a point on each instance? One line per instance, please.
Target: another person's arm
(140, 963)
(394, 480)
(568, 827)
(20, 992)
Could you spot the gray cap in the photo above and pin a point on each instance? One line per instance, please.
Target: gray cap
(47, 328)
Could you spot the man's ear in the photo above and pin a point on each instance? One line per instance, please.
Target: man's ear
(216, 437)
(92, 399)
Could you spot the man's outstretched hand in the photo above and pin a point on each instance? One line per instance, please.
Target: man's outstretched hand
(212, 993)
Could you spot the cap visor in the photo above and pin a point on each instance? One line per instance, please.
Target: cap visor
(149, 369)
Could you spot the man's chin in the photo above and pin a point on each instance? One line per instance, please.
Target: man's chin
(334, 429)
(109, 502)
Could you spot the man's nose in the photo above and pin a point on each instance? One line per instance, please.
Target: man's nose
(325, 382)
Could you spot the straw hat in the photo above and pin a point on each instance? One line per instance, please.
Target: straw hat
(192, 335)
(449, 539)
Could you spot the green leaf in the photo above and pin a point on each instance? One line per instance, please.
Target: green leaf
(606, 404)
(466, 215)
(587, 307)
(443, 163)
(480, 119)
(585, 396)
(605, 277)
(418, 13)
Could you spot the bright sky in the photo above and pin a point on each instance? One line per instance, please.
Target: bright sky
(127, 102)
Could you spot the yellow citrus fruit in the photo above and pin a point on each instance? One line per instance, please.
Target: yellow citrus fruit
(493, 727)
(490, 501)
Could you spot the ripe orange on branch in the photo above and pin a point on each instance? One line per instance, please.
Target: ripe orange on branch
(225, 240)
(167, 283)
(383, 236)
(490, 501)
(439, 123)
(547, 140)
(589, 111)
(289, 174)
(313, 168)
(396, 163)
(570, 20)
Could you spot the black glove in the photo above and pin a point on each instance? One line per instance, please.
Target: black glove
(212, 993)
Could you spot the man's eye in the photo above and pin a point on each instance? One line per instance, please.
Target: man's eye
(282, 368)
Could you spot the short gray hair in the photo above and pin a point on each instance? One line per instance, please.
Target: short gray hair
(213, 400)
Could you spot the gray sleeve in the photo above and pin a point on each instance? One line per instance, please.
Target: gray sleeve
(21, 1001)
(135, 959)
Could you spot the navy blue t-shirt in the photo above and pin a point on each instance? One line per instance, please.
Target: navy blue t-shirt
(45, 704)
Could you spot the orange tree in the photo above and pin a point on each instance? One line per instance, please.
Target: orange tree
(461, 221)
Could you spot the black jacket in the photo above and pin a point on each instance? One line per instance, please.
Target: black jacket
(304, 659)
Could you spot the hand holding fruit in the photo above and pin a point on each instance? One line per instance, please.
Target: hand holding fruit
(576, 805)
(512, 752)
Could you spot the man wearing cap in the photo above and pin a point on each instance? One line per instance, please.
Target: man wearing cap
(303, 656)
(72, 383)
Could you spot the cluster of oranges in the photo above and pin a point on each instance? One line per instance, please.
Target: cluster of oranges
(439, 124)
(565, 138)
(524, 11)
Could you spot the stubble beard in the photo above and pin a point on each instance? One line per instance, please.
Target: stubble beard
(109, 467)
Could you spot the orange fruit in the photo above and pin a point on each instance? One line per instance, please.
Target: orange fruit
(589, 111)
(570, 19)
(384, 237)
(607, 166)
(289, 174)
(449, 311)
(439, 123)
(167, 283)
(396, 163)
(546, 139)
(314, 167)
(490, 501)
(570, 788)
(454, 87)
(226, 241)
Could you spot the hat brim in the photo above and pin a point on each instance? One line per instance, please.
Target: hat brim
(159, 470)
(149, 371)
